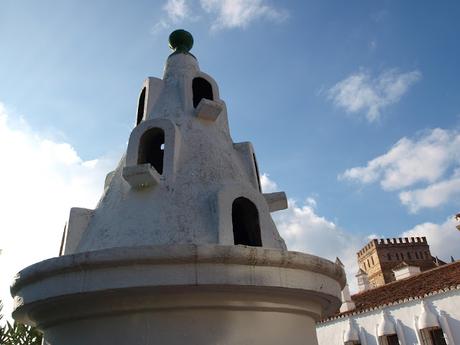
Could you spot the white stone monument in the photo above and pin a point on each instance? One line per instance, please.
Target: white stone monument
(181, 249)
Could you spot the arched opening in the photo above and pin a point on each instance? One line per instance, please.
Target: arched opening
(245, 219)
(140, 107)
(151, 148)
(201, 89)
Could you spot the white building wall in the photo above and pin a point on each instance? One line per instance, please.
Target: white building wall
(446, 303)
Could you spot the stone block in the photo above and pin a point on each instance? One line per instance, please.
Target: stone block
(208, 110)
(141, 176)
(78, 222)
(276, 201)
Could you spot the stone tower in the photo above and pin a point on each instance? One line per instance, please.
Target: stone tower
(379, 257)
(181, 248)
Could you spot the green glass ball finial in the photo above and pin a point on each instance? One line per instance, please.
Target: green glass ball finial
(180, 41)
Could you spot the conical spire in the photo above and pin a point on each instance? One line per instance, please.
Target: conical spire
(182, 232)
(183, 180)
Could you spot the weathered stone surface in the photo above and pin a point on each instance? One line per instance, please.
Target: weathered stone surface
(141, 176)
(159, 265)
(276, 201)
(223, 286)
(208, 110)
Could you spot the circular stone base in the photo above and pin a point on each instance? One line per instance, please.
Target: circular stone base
(178, 294)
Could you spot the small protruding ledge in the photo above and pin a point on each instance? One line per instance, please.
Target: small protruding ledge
(79, 219)
(141, 176)
(108, 179)
(208, 110)
(276, 201)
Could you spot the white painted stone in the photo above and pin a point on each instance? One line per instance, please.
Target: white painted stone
(159, 265)
(276, 201)
(445, 303)
(427, 318)
(363, 280)
(141, 176)
(153, 87)
(218, 286)
(246, 155)
(77, 224)
(208, 110)
(350, 335)
(406, 272)
(108, 179)
(202, 174)
(347, 302)
(400, 332)
(172, 143)
(385, 326)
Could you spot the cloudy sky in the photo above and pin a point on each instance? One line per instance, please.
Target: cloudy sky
(353, 108)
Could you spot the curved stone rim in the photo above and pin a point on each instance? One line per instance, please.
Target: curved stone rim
(176, 254)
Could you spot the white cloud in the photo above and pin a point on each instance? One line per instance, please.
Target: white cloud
(444, 238)
(424, 159)
(432, 196)
(361, 93)
(219, 14)
(240, 13)
(177, 10)
(268, 185)
(40, 181)
(306, 231)
(427, 160)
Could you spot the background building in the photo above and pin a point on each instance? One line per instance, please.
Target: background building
(421, 309)
(380, 256)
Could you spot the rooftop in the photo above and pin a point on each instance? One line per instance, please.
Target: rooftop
(441, 278)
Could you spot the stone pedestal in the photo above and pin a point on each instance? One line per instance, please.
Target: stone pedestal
(179, 294)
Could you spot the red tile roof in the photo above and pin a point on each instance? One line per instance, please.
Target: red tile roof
(439, 278)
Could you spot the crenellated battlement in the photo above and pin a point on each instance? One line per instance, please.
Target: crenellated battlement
(390, 242)
(378, 257)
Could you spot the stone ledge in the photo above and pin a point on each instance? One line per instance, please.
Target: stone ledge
(52, 295)
(208, 110)
(178, 254)
(141, 176)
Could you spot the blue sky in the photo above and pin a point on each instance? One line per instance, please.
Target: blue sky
(353, 107)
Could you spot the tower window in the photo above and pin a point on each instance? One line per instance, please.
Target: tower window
(140, 107)
(433, 336)
(151, 148)
(437, 337)
(416, 255)
(389, 340)
(389, 256)
(201, 89)
(245, 219)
